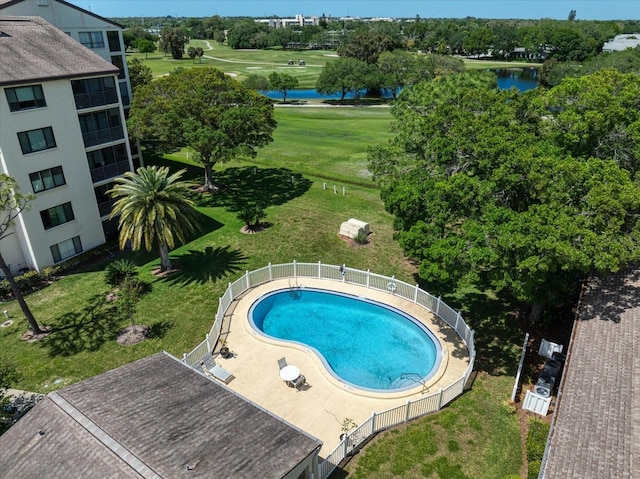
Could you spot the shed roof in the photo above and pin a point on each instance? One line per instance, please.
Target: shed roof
(152, 418)
(596, 432)
(33, 50)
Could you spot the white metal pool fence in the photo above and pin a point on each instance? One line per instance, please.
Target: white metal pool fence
(378, 421)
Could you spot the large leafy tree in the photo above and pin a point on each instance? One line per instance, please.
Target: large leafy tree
(12, 204)
(367, 44)
(153, 209)
(172, 41)
(139, 73)
(346, 75)
(282, 82)
(480, 198)
(206, 110)
(597, 115)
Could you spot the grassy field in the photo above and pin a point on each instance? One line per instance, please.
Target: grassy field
(477, 436)
(242, 63)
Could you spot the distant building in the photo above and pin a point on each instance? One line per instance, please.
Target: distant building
(62, 137)
(297, 21)
(622, 42)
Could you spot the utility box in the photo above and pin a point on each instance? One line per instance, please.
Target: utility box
(353, 227)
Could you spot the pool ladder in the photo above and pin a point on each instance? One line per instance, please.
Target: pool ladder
(294, 289)
(416, 378)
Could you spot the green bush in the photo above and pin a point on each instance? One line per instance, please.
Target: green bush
(361, 237)
(29, 280)
(51, 272)
(536, 439)
(120, 270)
(536, 443)
(533, 469)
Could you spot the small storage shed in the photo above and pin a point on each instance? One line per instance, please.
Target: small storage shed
(353, 227)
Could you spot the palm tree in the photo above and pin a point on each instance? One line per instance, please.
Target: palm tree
(153, 208)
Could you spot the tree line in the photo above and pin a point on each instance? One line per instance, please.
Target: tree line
(563, 40)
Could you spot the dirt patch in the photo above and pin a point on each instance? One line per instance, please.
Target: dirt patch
(157, 272)
(253, 229)
(354, 244)
(133, 335)
(30, 337)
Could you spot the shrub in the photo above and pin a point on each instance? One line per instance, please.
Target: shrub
(536, 439)
(252, 215)
(361, 237)
(536, 443)
(29, 280)
(120, 270)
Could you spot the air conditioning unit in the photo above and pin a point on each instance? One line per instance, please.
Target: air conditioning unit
(544, 386)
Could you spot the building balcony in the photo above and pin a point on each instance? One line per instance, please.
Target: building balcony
(105, 135)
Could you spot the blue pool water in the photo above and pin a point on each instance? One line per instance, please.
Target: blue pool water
(365, 344)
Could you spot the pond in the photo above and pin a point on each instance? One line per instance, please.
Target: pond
(522, 78)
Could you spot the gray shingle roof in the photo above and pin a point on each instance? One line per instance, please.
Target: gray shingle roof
(33, 50)
(8, 3)
(158, 416)
(597, 426)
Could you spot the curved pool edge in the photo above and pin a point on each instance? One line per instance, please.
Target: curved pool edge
(425, 317)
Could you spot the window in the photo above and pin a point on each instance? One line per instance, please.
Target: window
(57, 215)
(108, 162)
(92, 39)
(116, 60)
(124, 94)
(66, 249)
(36, 140)
(25, 97)
(104, 200)
(101, 127)
(92, 92)
(47, 179)
(114, 41)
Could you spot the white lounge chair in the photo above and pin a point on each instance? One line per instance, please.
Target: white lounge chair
(212, 369)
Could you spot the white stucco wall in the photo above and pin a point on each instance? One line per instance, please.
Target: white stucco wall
(61, 115)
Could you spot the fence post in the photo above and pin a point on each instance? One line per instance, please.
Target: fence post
(270, 273)
(184, 358)
(457, 320)
(368, 276)
(248, 281)
(415, 295)
(373, 422)
(319, 269)
(206, 338)
(295, 269)
(438, 307)
(440, 399)
(406, 411)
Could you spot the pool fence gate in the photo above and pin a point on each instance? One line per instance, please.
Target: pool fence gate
(378, 421)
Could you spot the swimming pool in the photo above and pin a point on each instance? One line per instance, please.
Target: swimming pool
(362, 343)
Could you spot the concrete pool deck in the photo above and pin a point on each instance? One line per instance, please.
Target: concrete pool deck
(320, 407)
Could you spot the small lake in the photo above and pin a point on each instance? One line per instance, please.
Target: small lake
(521, 78)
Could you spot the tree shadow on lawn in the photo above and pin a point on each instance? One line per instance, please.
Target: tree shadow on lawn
(252, 185)
(494, 318)
(85, 330)
(211, 264)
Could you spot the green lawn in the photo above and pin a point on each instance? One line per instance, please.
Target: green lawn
(476, 436)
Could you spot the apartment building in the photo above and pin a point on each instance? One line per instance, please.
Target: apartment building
(62, 137)
(99, 34)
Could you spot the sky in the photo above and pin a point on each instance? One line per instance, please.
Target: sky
(524, 9)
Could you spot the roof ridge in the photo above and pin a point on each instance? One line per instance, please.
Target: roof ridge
(101, 435)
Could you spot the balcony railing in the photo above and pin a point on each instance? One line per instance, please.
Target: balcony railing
(96, 98)
(109, 171)
(105, 135)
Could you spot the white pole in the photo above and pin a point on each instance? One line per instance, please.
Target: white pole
(343, 190)
(524, 351)
(335, 192)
